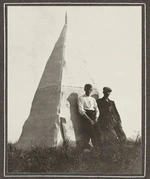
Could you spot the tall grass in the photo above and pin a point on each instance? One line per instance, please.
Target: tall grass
(111, 158)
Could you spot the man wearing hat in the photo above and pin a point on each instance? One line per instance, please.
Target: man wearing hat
(109, 119)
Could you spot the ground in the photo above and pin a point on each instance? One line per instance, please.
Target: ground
(111, 158)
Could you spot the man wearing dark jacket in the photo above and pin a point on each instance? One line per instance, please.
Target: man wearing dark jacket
(109, 119)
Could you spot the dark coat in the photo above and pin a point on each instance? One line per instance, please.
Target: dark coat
(109, 118)
(108, 112)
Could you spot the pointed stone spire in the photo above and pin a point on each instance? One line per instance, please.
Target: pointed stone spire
(54, 115)
(43, 127)
(66, 20)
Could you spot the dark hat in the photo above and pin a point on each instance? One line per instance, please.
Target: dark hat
(107, 89)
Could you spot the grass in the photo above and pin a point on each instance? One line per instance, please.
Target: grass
(112, 158)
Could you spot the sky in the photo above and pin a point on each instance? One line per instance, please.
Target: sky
(107, 38)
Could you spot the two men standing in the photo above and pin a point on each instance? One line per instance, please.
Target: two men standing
(101, 120)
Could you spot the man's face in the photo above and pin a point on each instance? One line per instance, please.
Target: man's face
(88, 90)
(106, 93)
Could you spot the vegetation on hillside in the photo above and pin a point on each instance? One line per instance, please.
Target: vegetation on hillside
(112, 158)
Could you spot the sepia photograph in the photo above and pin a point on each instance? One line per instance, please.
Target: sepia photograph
(75, 89)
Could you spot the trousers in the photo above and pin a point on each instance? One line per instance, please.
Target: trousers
(90, 131)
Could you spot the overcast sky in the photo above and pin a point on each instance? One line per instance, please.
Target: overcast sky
(108, 38)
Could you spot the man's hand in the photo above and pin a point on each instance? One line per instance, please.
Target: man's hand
(95, 121)
(92, 122)
(89, 119)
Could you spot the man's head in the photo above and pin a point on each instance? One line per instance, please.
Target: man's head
(88, 89)
(107, 91)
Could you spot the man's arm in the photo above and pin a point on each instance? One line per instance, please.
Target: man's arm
(97, 111)
(116, 112)
(88, 118)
